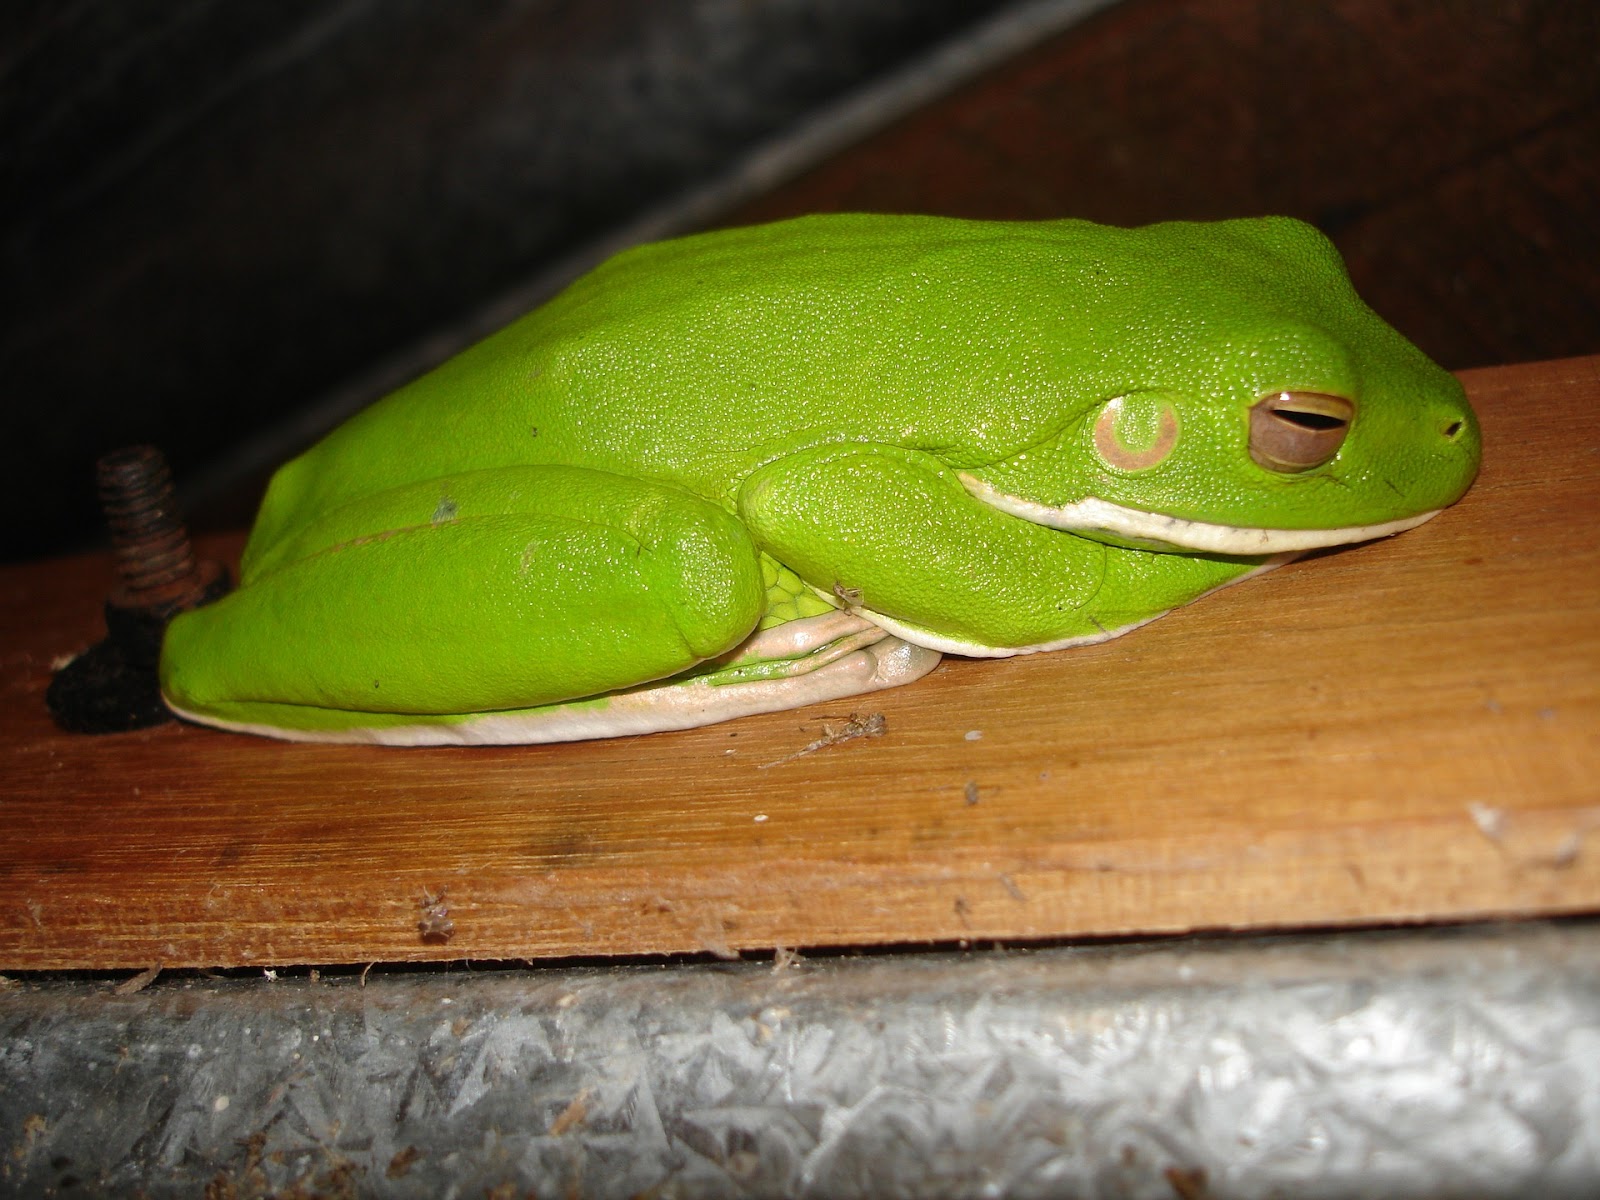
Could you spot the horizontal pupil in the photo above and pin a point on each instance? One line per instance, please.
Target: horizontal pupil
(1309, 420)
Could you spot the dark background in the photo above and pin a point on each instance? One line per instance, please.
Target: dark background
(221, 222)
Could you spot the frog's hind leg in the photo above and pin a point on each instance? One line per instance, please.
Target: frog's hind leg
(512, 605)
(485, 591)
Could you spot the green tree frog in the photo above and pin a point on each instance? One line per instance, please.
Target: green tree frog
(753, 469)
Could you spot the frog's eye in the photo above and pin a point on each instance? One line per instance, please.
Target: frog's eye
(1295, 431)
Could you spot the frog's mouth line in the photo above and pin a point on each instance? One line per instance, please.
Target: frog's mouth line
(1093, 515)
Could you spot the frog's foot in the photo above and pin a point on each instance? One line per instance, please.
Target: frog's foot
(808, 661)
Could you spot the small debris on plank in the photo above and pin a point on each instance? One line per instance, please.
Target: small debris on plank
(1491, 822)
(1566, 853)
(871, 725)
(713, 935)
(435, 925)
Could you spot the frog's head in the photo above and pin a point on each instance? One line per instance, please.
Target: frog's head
(1231, 394)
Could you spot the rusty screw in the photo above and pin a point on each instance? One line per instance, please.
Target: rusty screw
(155, 562)
(112, 686)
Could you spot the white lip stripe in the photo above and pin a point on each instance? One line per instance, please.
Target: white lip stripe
(1095, 515)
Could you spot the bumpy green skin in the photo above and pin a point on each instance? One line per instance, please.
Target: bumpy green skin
(582, 502)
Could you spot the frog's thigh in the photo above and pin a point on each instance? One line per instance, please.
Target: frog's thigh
(597, 583)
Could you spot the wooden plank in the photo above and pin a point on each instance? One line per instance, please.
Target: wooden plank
(1400, 731)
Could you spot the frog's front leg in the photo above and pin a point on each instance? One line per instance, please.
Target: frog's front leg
(895, 532)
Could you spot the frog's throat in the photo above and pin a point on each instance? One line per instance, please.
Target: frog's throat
(1093, 515)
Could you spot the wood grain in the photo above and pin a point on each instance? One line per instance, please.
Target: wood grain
(1401, 731)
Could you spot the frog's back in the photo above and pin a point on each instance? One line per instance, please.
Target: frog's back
(693, 360)
(570, 382)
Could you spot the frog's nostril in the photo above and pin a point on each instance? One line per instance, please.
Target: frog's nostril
(1453, 430)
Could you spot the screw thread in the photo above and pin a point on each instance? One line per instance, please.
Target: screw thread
(148, 537)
